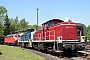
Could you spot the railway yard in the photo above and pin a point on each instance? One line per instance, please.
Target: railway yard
(53, 42)
(61, 31)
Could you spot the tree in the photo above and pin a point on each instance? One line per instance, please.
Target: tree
(34, 26)
(10, 25)
(15, 25)
(23, 24)
(69, 20)
(7, 25)
(1, 28)
(3, 11)
(88, 32)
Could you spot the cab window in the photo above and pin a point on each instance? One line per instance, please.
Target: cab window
(18, 35)
(46, 25)
(50, 23)
(42, 25)
(15, 35)
(56, 22)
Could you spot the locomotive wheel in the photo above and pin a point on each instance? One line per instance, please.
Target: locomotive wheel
(68, 51)
(57, 54)
(75, 50)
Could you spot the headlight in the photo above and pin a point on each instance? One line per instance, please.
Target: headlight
(60, 39)
(82, 38)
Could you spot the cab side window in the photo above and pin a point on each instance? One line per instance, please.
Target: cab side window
(50, 23)
(42, 25)
(56, 22)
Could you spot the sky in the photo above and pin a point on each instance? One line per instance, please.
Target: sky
(76, 10)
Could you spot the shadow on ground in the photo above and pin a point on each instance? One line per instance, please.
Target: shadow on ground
(0, 53)
(77, 54)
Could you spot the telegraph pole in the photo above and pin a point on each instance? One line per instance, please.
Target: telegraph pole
(37, 18)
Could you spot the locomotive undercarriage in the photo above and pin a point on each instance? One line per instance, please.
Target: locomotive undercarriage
(24, 44)
(58, 47)
(43, 45)
(54, 46)
(73, 47)
(10, 43)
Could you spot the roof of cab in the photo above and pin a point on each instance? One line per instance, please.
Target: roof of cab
(53, 20)
(68, 22)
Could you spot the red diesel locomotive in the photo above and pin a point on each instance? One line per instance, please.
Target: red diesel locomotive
(11, 39)
(57, 35)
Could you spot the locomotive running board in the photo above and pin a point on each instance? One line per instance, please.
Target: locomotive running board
(85, 51)
(23, 41)
(58, 51)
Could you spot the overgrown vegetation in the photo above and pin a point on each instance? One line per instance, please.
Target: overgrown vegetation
(10, 25)
(15, 53)
(88, 32)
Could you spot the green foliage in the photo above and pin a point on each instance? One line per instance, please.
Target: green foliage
(88, 32)
(7, 25)
(34, 26)
(1, 29)
(2, 10)
(10, 25)
(14, 25)
(69, 20)
(23, 24)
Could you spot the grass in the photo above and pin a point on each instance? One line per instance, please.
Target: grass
(14, 53)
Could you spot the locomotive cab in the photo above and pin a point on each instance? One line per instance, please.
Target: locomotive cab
(11, 39)
(81, 32)
(51, 23)
(26, 37)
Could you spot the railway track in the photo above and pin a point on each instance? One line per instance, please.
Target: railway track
(80, 55)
